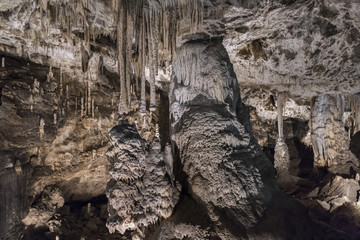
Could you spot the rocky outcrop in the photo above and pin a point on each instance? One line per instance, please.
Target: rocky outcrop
(140, 193)
(304, 47)
(44, 208)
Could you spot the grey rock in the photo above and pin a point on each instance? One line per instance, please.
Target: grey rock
(141, 192)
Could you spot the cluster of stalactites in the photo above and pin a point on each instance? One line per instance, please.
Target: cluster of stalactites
(68, 15)
(144, 28)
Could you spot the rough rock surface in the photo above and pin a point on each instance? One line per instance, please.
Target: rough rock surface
(225, 168)
(282, 158)
(140, 192)
(330, 141)
(44, 208)
(204, 103)
(303, 47)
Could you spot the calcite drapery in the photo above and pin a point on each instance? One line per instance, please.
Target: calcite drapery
(329, 139)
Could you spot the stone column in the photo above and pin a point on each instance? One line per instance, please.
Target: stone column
(224, 165)
(282, 157)
(329, 138)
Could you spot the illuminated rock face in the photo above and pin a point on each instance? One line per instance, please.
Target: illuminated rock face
(226, 169)
(329, 138)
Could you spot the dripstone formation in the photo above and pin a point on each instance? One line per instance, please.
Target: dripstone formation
(179, 119)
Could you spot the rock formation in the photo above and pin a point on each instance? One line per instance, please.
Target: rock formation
(225, 168)
(125, 116)
(329, 139)
(140, 193)
(281, 156)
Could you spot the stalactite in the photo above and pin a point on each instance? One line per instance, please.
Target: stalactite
(56, 13)
(88, 100)
(281, 100)
(355, 112)
(142, 59)
(92, 108)
(82, 106)
(123, 104)
(61, 82)
(3, 62)
(148, 25)
(128, 55)
(281, 156)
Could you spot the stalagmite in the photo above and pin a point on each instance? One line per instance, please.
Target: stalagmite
(18, 168)
(36, 86)
(41, 128)
(50, 75)
(157, 134)
(281, 157)
(82, 106)
(55, 118)
(61, 82)
(3, 62)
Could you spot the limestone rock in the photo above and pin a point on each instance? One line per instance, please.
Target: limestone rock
(140, 193)
(329, 139)
(44, 209)
(282, 158)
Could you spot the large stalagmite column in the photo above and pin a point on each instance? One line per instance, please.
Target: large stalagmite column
(282, 158)
(224, 165)
(329, 138)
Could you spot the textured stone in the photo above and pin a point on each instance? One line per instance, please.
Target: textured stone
(225, 168)
(141, 192)
(329, 139)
